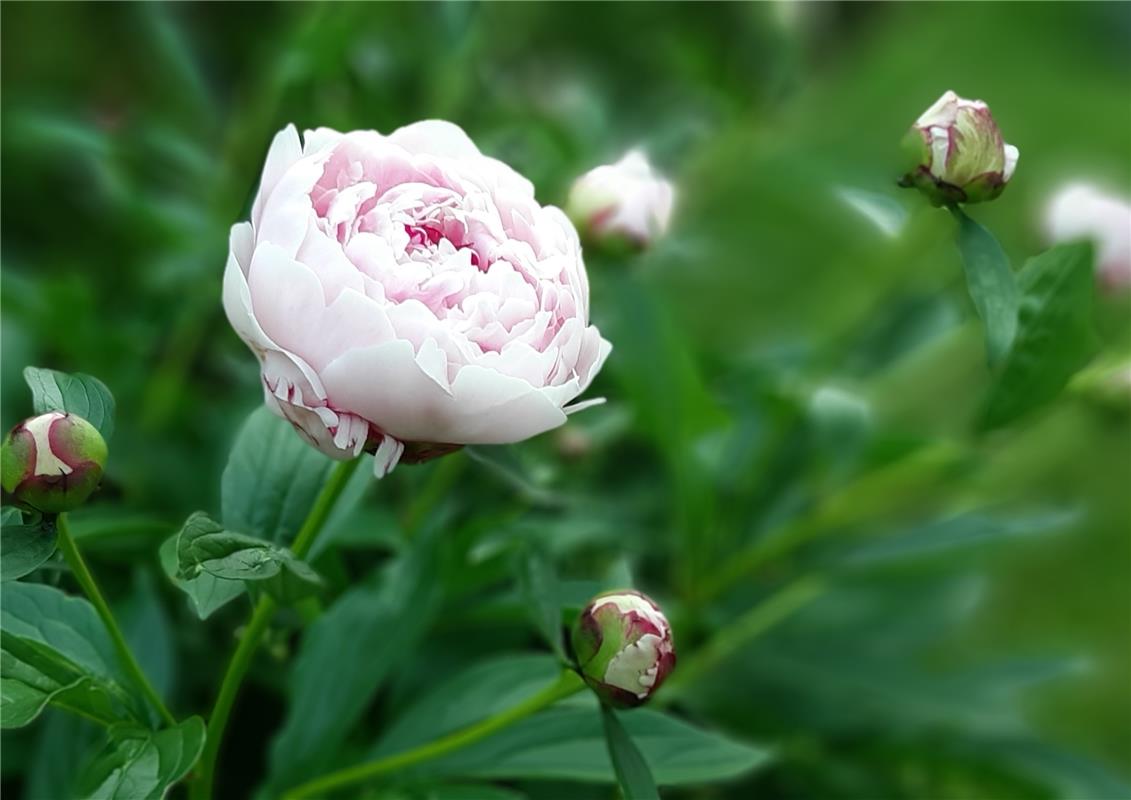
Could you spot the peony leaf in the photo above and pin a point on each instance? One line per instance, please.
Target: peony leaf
(26, 542)
(271, 479)
(55, 650)
(82, 395)
(206, 593)
(990, 281)
(632, 771)
(471, 695)
(567, 743)
(346, 656)
(205, 546)
(1055, 337)
(539, 587)
(141, 764)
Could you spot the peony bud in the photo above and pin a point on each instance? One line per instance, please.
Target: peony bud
(957, 152)
(1083, 211)
(627, 199)
(623, 645)
(53, 463)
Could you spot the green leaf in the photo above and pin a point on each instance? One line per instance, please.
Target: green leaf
(140, 764)
(54, 649)
(990, 281)
(632, 771)
(271, 479)
(206, 593)
(82, 395)
(26, 542)
(567, 743)
(203, 545)
(63, 739)
(474, 694)
(1055, 337)
(538, 585)
(940, 538)
(149, 632)
(345, 657)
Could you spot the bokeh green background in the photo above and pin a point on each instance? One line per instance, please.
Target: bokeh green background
(132, 139)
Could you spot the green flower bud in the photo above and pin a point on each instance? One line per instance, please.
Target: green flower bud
(52, 463)
(623, 646)
(957, 154)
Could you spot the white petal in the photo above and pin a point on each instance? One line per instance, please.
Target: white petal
(1011, 156)
(435, 137)
(387, 456)
(285, 150)
(319, 139)
(236, 296)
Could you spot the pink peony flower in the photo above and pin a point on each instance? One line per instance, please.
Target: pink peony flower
(407, 289)
(627, 199)
(1083, 211)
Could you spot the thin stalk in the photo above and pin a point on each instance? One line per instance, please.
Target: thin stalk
(260, 619)
(94, 594)
(568, 683)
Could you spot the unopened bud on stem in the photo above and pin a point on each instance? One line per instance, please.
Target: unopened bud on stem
(957, 153)
(52, 463)
(623, 645)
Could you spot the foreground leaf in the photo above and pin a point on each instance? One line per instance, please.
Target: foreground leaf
(204, 546)
(26, 542)
(345, 657)
(1054, 335)
(140, 764)
(271, 479)
(991, 284)
(82, 395)
(55, 650)
(206, 593)
(472, 695)
(632, 771)
(567, 743)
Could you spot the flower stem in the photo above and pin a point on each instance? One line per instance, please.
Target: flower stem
(260, 619)
(568, 683)
(90, 588)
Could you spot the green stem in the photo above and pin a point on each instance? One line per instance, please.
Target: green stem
(741, 632)
(90, 588)
(260, 619)
(568, 683)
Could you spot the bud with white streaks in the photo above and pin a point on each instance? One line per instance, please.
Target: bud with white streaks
(958, 154)
(52, 463)
(627, 199)
(623, 646)
(1084, 211)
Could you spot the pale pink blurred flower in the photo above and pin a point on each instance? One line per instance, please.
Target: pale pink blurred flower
(408, 290)
(628, 199)
(1084, 211)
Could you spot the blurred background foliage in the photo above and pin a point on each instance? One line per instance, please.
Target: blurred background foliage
(942, 614)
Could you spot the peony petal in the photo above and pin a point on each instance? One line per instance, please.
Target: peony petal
(319, 139)
(435, 137)
(236, 296)
(1011, 156)
(387, 456)
(285, 150)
